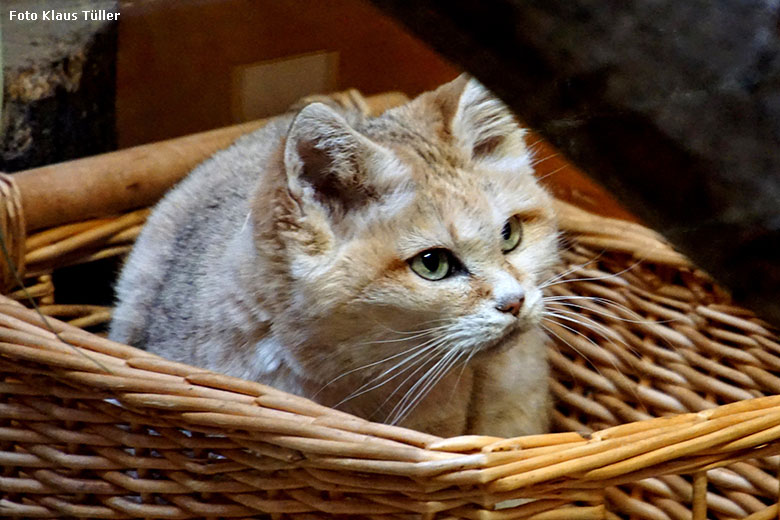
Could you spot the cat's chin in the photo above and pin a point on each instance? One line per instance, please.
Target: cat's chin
(505, 342)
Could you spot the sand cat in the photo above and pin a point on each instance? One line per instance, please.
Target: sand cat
(388, 267)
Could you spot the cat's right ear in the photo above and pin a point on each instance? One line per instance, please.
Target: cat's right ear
(332, 166)
(479, 121)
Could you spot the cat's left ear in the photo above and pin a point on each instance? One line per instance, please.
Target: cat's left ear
(479, 121)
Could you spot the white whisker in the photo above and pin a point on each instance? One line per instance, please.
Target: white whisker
(589, 340)
(377, 381)
(569, 271)
(393, 416)
(415, 335)
(640, 319)
(592, 325)
(600, 329)
(575, 349)
(432, 382)
(463, 368)
(369, 365)
(592, 278)
(428, 357)
(445, 321)
(562, 167)
(430, 379)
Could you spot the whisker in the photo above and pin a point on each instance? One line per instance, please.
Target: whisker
(434, 380)
(539, 179)
(575, 349)
(592, 278)
(536, 162)
(463, 368)
(446, 321)
(557, 301)
(425, 391)
(420, 381)
(535, 143)
(369, 365)
(563, 299)
(417, 334)
(641, 321)
(601, 330)
(377, 381)
(569, 271)
(431, 378)
(592, 325)
(428, 358)
(589, 340)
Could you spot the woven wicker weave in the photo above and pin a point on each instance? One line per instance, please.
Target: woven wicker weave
(670, 390)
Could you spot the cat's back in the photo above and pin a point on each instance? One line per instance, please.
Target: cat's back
(184, 237)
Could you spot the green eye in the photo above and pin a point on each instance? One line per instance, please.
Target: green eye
(433, 264)
(511, 234)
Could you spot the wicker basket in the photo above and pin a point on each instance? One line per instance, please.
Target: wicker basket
(672, 397)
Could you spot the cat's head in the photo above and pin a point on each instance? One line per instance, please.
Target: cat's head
(423, 228)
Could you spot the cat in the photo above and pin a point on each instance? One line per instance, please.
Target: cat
(388, 266)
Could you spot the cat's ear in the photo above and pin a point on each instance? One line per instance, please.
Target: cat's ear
(479, 121)
(330, 164)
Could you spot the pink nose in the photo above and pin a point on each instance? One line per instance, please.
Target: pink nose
(512, 304)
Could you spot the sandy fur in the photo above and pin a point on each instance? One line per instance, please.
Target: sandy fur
(284, 259)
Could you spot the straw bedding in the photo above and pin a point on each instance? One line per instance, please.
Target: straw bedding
(666, 407)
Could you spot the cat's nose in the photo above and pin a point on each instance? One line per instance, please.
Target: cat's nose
(512, 304)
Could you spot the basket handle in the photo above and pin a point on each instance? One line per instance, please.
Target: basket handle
(12, 233)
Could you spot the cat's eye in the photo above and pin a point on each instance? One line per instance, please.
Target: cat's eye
(511, 234)
(433, 264)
